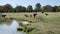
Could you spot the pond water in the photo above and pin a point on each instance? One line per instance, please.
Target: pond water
(24, 22)
(10, 29)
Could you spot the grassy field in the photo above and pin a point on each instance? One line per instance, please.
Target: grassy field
(46, 25)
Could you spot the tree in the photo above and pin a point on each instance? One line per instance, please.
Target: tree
(29, 8)
(47, 8)
(23, 9)
(37, 7)
(20, 9)
(1, 8)
(58, 9)
(7, 8)
(55, 8)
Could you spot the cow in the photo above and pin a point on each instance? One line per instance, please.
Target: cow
(30, 15)
(26, 15)
(34, 15)
(42, 12)
(46, 14)
(3, 15)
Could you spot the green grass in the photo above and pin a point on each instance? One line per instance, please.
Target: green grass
(49, 25)
(4, 20)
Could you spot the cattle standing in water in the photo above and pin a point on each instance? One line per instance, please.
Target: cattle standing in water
(34, 15)
(46, 14)
(26, 15)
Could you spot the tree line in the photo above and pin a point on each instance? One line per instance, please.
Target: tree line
(29, 8)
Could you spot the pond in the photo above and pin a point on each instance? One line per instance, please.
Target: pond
(10, 29)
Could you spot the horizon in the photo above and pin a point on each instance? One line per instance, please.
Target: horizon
(25, 3)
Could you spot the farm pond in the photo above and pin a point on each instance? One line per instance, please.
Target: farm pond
(10, 28)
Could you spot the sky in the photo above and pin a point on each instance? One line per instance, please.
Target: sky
(25, 3)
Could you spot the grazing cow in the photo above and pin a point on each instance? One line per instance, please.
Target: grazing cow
(30, 15)
(46, 14)
(42, 12)
(3, 15)
(11, 18)
(26, 15)
(34, 15)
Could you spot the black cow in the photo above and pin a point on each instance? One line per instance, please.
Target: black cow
(34, 15)
(42, 12)
(3, 15)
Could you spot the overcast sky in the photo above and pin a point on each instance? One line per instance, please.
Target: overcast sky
(25, 3)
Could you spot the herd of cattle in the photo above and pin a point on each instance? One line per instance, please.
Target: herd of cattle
(34, 15)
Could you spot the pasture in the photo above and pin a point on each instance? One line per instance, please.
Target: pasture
(44, 24)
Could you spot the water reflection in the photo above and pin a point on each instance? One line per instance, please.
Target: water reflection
(25, 22)
(12, 29)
